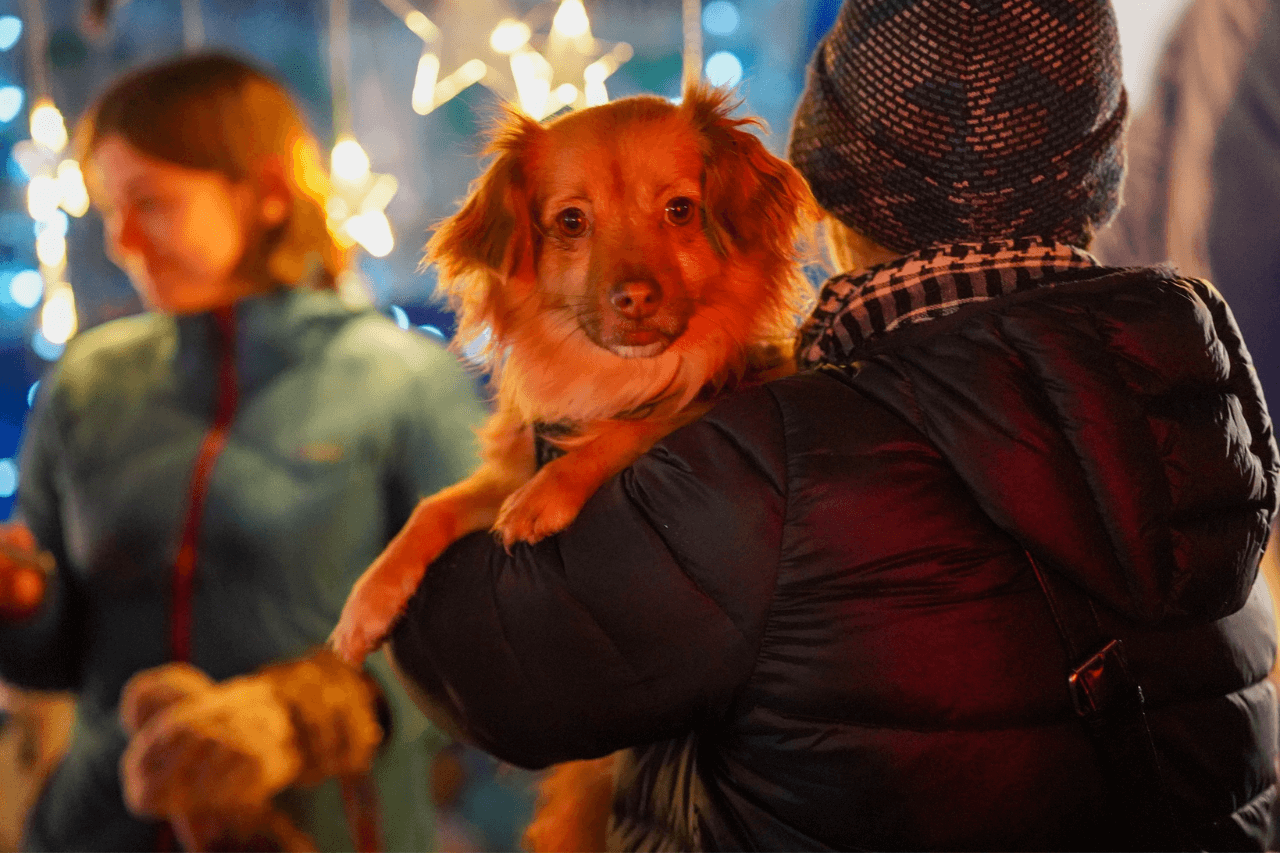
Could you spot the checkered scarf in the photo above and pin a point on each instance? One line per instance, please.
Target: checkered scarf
(932, 282)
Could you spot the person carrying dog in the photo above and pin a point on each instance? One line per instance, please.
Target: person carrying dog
(201, 484)
(983, 575)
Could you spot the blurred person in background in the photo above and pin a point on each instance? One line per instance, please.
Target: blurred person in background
(1202, 187)
(201, 484)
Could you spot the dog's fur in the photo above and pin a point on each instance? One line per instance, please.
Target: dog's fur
(618, 267)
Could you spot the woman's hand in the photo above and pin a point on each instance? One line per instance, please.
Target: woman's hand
(196, 757)
(203, 748)
(24, 570)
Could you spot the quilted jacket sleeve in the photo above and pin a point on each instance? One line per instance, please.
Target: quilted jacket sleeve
(638, 622)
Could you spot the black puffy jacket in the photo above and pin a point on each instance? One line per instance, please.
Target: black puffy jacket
(811, 618)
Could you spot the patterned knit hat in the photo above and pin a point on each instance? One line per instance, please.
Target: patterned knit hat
(927, 122)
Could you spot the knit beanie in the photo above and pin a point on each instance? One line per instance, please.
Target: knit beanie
(928, 122)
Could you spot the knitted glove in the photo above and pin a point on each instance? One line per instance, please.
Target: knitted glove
(153, 690)
(228, 748)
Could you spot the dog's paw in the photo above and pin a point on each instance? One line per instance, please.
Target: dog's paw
(354, 639)
(536, 510)
(367, 617)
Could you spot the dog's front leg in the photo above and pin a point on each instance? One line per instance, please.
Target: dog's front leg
(379, 596)
(552, 499)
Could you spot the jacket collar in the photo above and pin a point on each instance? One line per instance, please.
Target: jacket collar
(271, 331)
(857, 307)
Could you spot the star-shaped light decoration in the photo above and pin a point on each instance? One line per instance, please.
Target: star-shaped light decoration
(460, 41)
(483, 41)
(54, 189)
(570, 67)
(358, 201)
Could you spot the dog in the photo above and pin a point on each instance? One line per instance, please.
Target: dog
(623, 265)
(616, 269)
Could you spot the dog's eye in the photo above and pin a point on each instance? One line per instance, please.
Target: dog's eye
(572, 222)
(680, 210)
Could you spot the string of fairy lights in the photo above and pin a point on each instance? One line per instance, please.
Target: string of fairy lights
(544, 60)
(55, 189)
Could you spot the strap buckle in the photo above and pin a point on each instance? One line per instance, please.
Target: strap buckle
(1103, 683)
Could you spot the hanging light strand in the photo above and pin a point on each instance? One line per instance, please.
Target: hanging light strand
(413, 19)
(37, 48)
(55, 186)
(692, 42)
(340, 65)
(359, 196)
(192, 25)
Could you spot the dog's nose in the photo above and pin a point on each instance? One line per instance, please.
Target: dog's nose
(636, 300)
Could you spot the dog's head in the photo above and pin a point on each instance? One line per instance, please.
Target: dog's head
(636, 230)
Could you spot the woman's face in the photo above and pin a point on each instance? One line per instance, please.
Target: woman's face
(179, 233)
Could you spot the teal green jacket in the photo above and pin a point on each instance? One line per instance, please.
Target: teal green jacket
(342, 421)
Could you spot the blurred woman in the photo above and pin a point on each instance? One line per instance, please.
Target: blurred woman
(209, 477)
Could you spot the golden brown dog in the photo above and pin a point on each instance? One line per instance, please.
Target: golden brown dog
(625, 263)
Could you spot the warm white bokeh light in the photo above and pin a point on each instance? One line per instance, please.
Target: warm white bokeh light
(349, 162)
(58, 316)
(423, 99)
(47, 126)
(75, 197)
(509, 36)
(571, 19)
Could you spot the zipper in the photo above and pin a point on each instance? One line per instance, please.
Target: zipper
(215, 439)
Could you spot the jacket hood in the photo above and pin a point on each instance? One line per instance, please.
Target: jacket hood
(1112, 423)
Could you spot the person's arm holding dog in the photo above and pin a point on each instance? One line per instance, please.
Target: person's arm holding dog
(639, 621)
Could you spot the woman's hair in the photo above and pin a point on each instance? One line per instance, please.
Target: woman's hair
(217, 113)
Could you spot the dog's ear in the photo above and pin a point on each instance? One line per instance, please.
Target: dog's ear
(490, 241)
(752, 199)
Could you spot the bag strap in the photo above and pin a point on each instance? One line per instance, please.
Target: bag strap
(1110, 704)
(361, 809)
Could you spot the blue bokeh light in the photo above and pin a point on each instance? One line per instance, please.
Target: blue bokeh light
(10, 31)
(8, 478)
(31, 393)
(46, 348)
(11, 98)
(15, 171)
(401, 318)
(723, 69)
(720, 18)
(26, 287)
